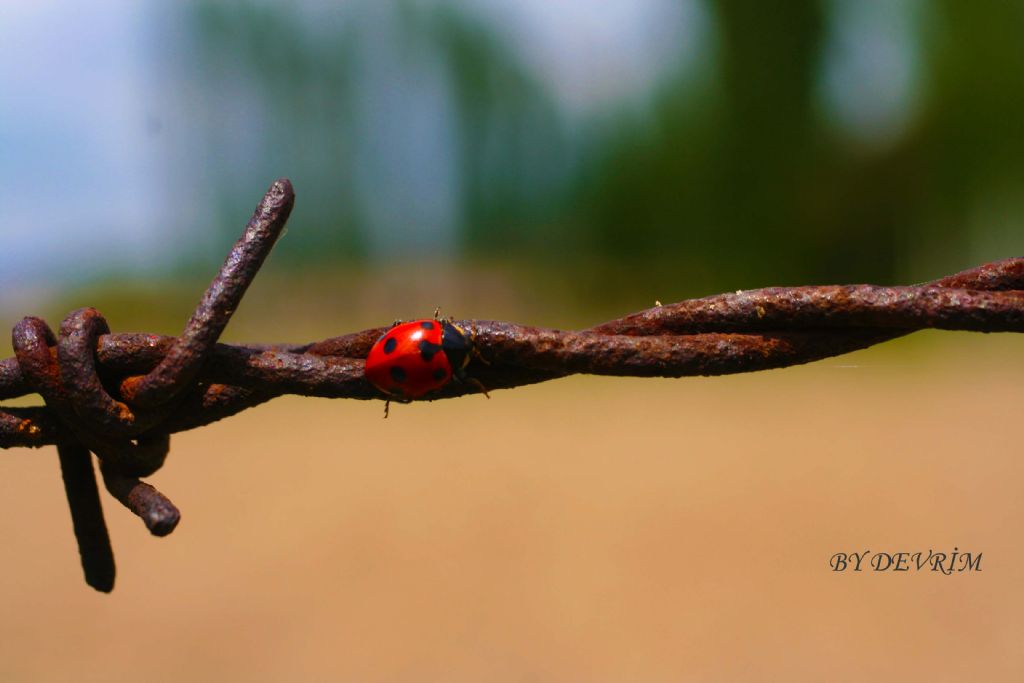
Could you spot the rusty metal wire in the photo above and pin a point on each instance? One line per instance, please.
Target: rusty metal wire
(121, 396)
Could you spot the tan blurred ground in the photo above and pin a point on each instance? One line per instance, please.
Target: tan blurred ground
(588, 529)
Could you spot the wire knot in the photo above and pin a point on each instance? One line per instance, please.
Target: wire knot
(127, 430)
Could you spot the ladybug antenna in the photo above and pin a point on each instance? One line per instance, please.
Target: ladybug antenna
(441, 319)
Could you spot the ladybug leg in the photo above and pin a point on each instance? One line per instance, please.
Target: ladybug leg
(461, 376)
(396, 399)
(474, 351)
(479, 385)
(398, 321)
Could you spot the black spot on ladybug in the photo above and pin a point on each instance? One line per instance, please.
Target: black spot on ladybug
(428, 350)
(390, 345)
(427, 325)
(440, 374)
(397, 374)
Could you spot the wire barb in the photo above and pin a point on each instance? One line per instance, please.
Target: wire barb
(87, 517)
(163, 385)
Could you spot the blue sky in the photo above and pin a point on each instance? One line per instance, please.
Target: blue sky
(78, 169)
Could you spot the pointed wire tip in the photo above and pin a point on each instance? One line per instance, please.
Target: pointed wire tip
(282, 188)
(102, 584)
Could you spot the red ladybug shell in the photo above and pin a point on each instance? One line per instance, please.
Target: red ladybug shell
(409, 360)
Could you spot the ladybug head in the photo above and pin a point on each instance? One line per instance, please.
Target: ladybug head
(456, 345)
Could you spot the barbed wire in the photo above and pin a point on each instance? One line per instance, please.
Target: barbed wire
(121, 396)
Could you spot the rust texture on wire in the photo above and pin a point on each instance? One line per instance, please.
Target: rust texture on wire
(121, 396)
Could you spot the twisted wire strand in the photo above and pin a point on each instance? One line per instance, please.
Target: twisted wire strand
(120, 396)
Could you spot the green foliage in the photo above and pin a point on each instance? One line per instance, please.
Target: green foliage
(733, 177)
(276, 100)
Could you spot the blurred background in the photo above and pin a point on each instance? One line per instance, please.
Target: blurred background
(635, 148)
(557, 163)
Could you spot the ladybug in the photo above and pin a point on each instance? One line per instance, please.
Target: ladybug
(414, 358)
